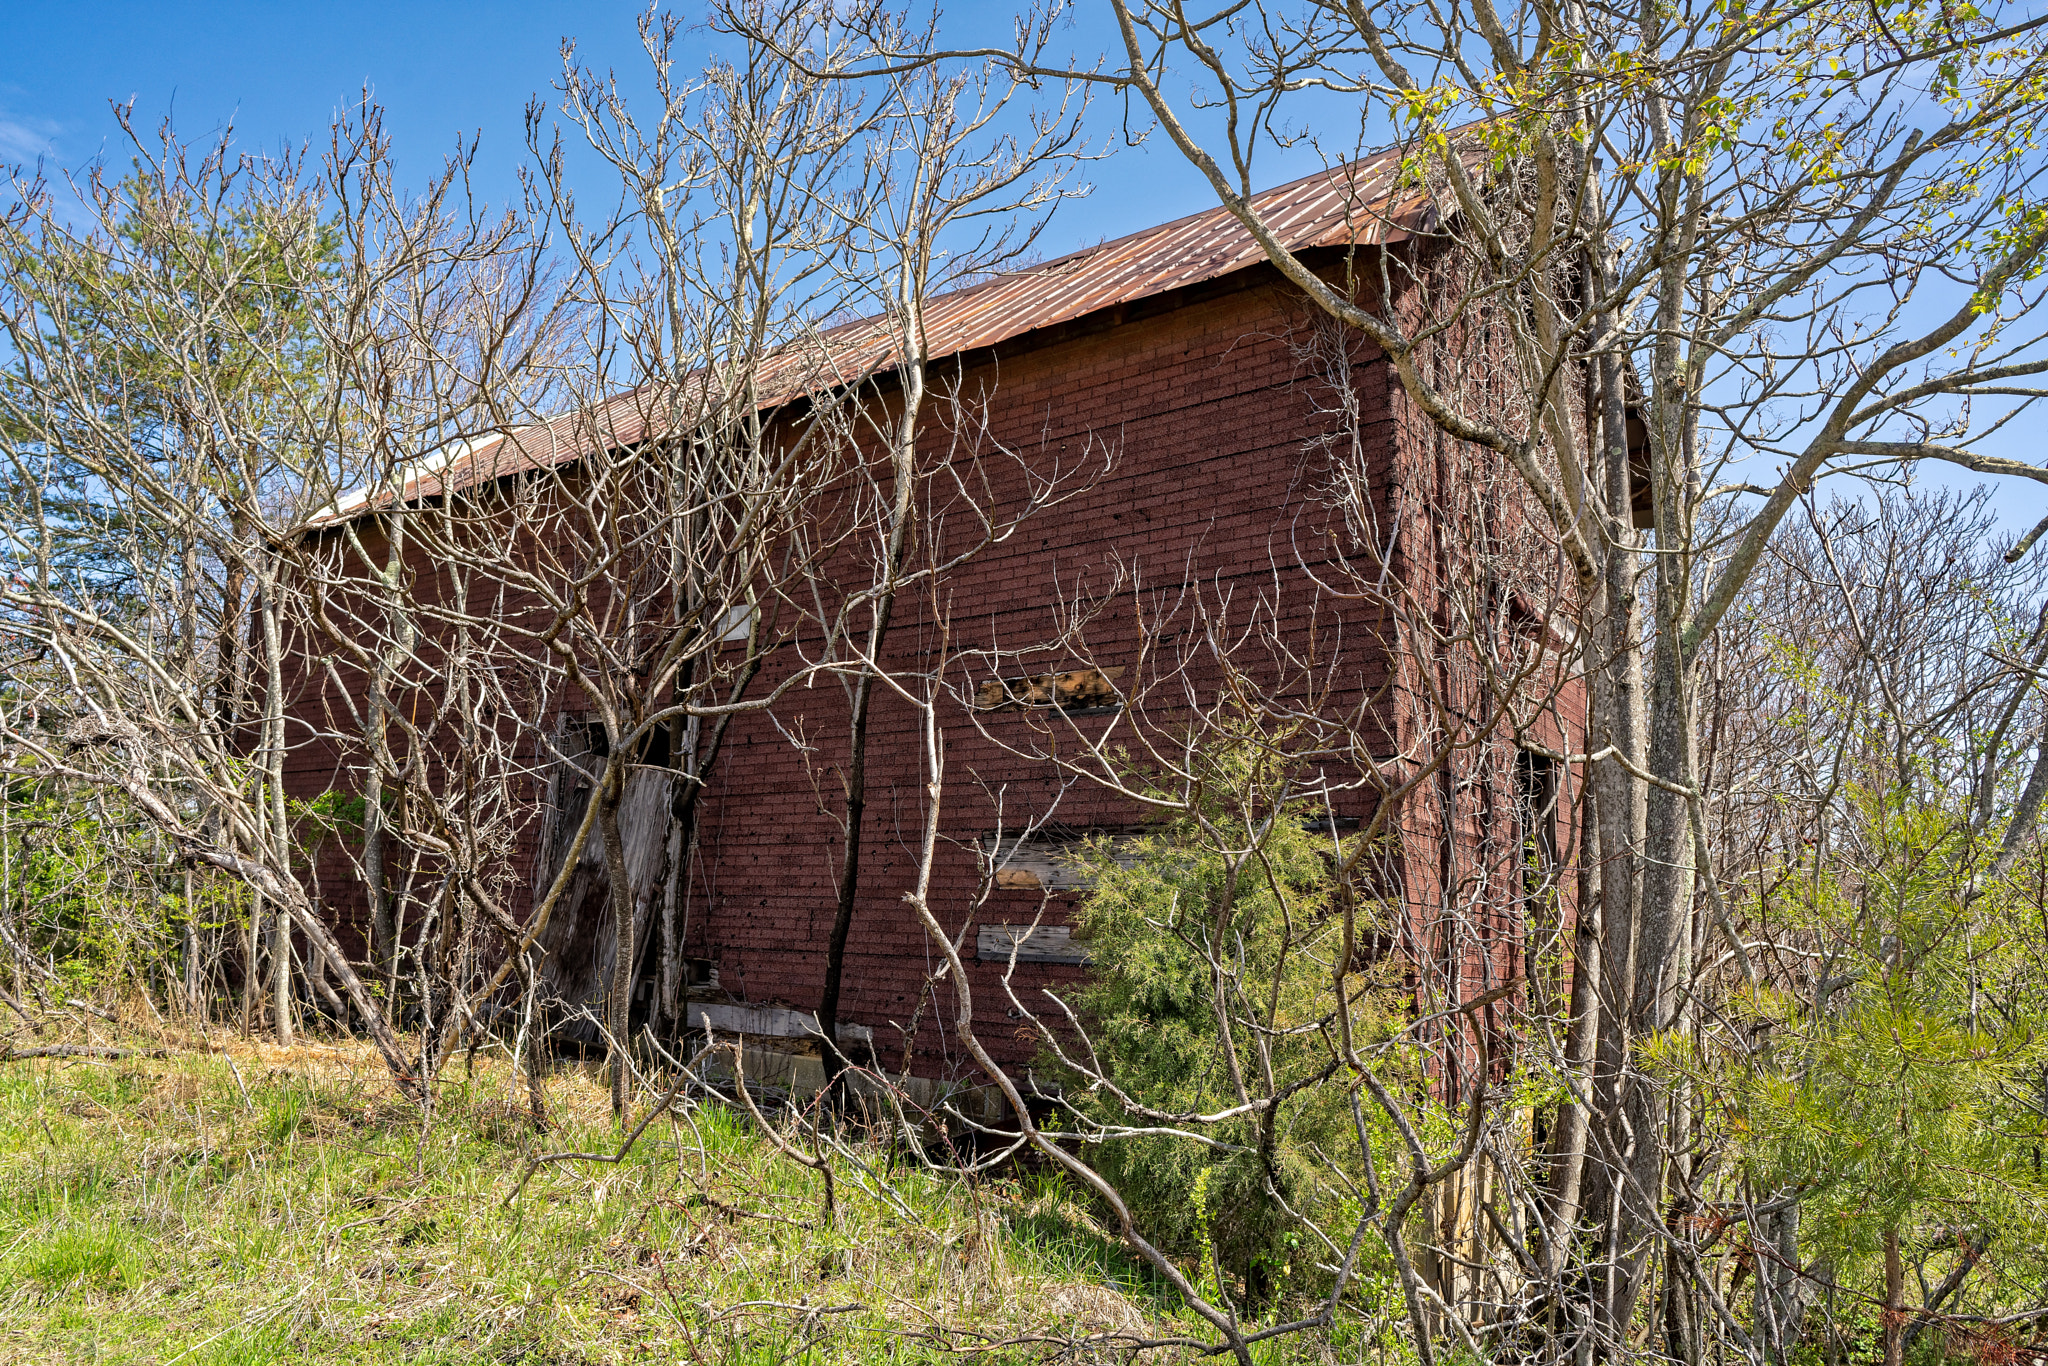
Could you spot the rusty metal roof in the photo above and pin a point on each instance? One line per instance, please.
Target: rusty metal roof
(1354, 203)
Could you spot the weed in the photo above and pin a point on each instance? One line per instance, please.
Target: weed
(76, 1256)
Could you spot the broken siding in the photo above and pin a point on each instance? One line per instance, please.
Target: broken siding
(1029, 944)
(580, 944)
(1053, 862)
(1075, 690)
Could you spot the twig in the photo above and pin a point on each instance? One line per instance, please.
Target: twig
(818, 1164)
(67, 1050)
(735, 1212)
(807, 1310)
(249, 1321)
(247, 1103)
(34, 1025)
(683, 1076)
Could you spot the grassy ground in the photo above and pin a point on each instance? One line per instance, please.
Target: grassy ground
(252, 1204)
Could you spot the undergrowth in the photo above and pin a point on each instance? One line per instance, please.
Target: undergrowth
(252, 1204)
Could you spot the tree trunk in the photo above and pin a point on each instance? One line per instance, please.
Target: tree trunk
(251, 973)
(383, 933)
(189, 973)
(1615, 715)
(1681, 1311)
(274, 808)
(230, 672)
(619, 1000)
(383, 952)
(1660, 938)
(1780, 1290)
(685, 733)
(281, 975)
(1582, 1035)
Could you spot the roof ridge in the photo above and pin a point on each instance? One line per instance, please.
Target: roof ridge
(1217, 211)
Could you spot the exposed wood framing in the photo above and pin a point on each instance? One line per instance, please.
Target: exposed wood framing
(578, 942)
(1046, 861)
(1074, 690)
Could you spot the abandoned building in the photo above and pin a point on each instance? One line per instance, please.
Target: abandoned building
(1190, 366)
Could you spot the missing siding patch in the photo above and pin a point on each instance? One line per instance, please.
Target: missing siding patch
(769, 1022)
(1031, 944)
(1046, 861)
(736, 626)
(1077, 691)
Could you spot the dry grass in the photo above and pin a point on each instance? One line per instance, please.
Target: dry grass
(164, 1210)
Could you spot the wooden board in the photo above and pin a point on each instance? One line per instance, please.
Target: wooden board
(1046, 861)
(1040, 944)
(772, 1022)
(578, 945)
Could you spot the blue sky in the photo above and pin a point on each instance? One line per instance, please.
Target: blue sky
(440, 69)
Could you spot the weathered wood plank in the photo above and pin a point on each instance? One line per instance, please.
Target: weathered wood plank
(772, 1022)
(1032, 944)
(1046, 861)
(579, 944)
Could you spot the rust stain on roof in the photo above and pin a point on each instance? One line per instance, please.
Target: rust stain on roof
(1355, 203)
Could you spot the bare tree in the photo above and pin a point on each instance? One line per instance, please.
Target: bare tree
(199, 362)
(623, 573)
(953, 195)
(1727, 260)
(1878, 670)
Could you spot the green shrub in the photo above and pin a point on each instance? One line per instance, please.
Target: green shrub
(1216, 942)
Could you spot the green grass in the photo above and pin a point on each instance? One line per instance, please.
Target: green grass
(149, 1212)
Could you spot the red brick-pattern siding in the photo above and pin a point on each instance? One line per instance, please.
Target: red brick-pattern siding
(1207, 411)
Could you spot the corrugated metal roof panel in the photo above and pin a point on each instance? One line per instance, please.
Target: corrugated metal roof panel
(1355, 203)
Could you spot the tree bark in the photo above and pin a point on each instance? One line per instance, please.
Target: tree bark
(1582, 1034)
(383, 953)
(281, 975)
(383, 933)
(619, 1000)
(251, 973)
(189, 967)
(1615, 717)
(265, 607)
